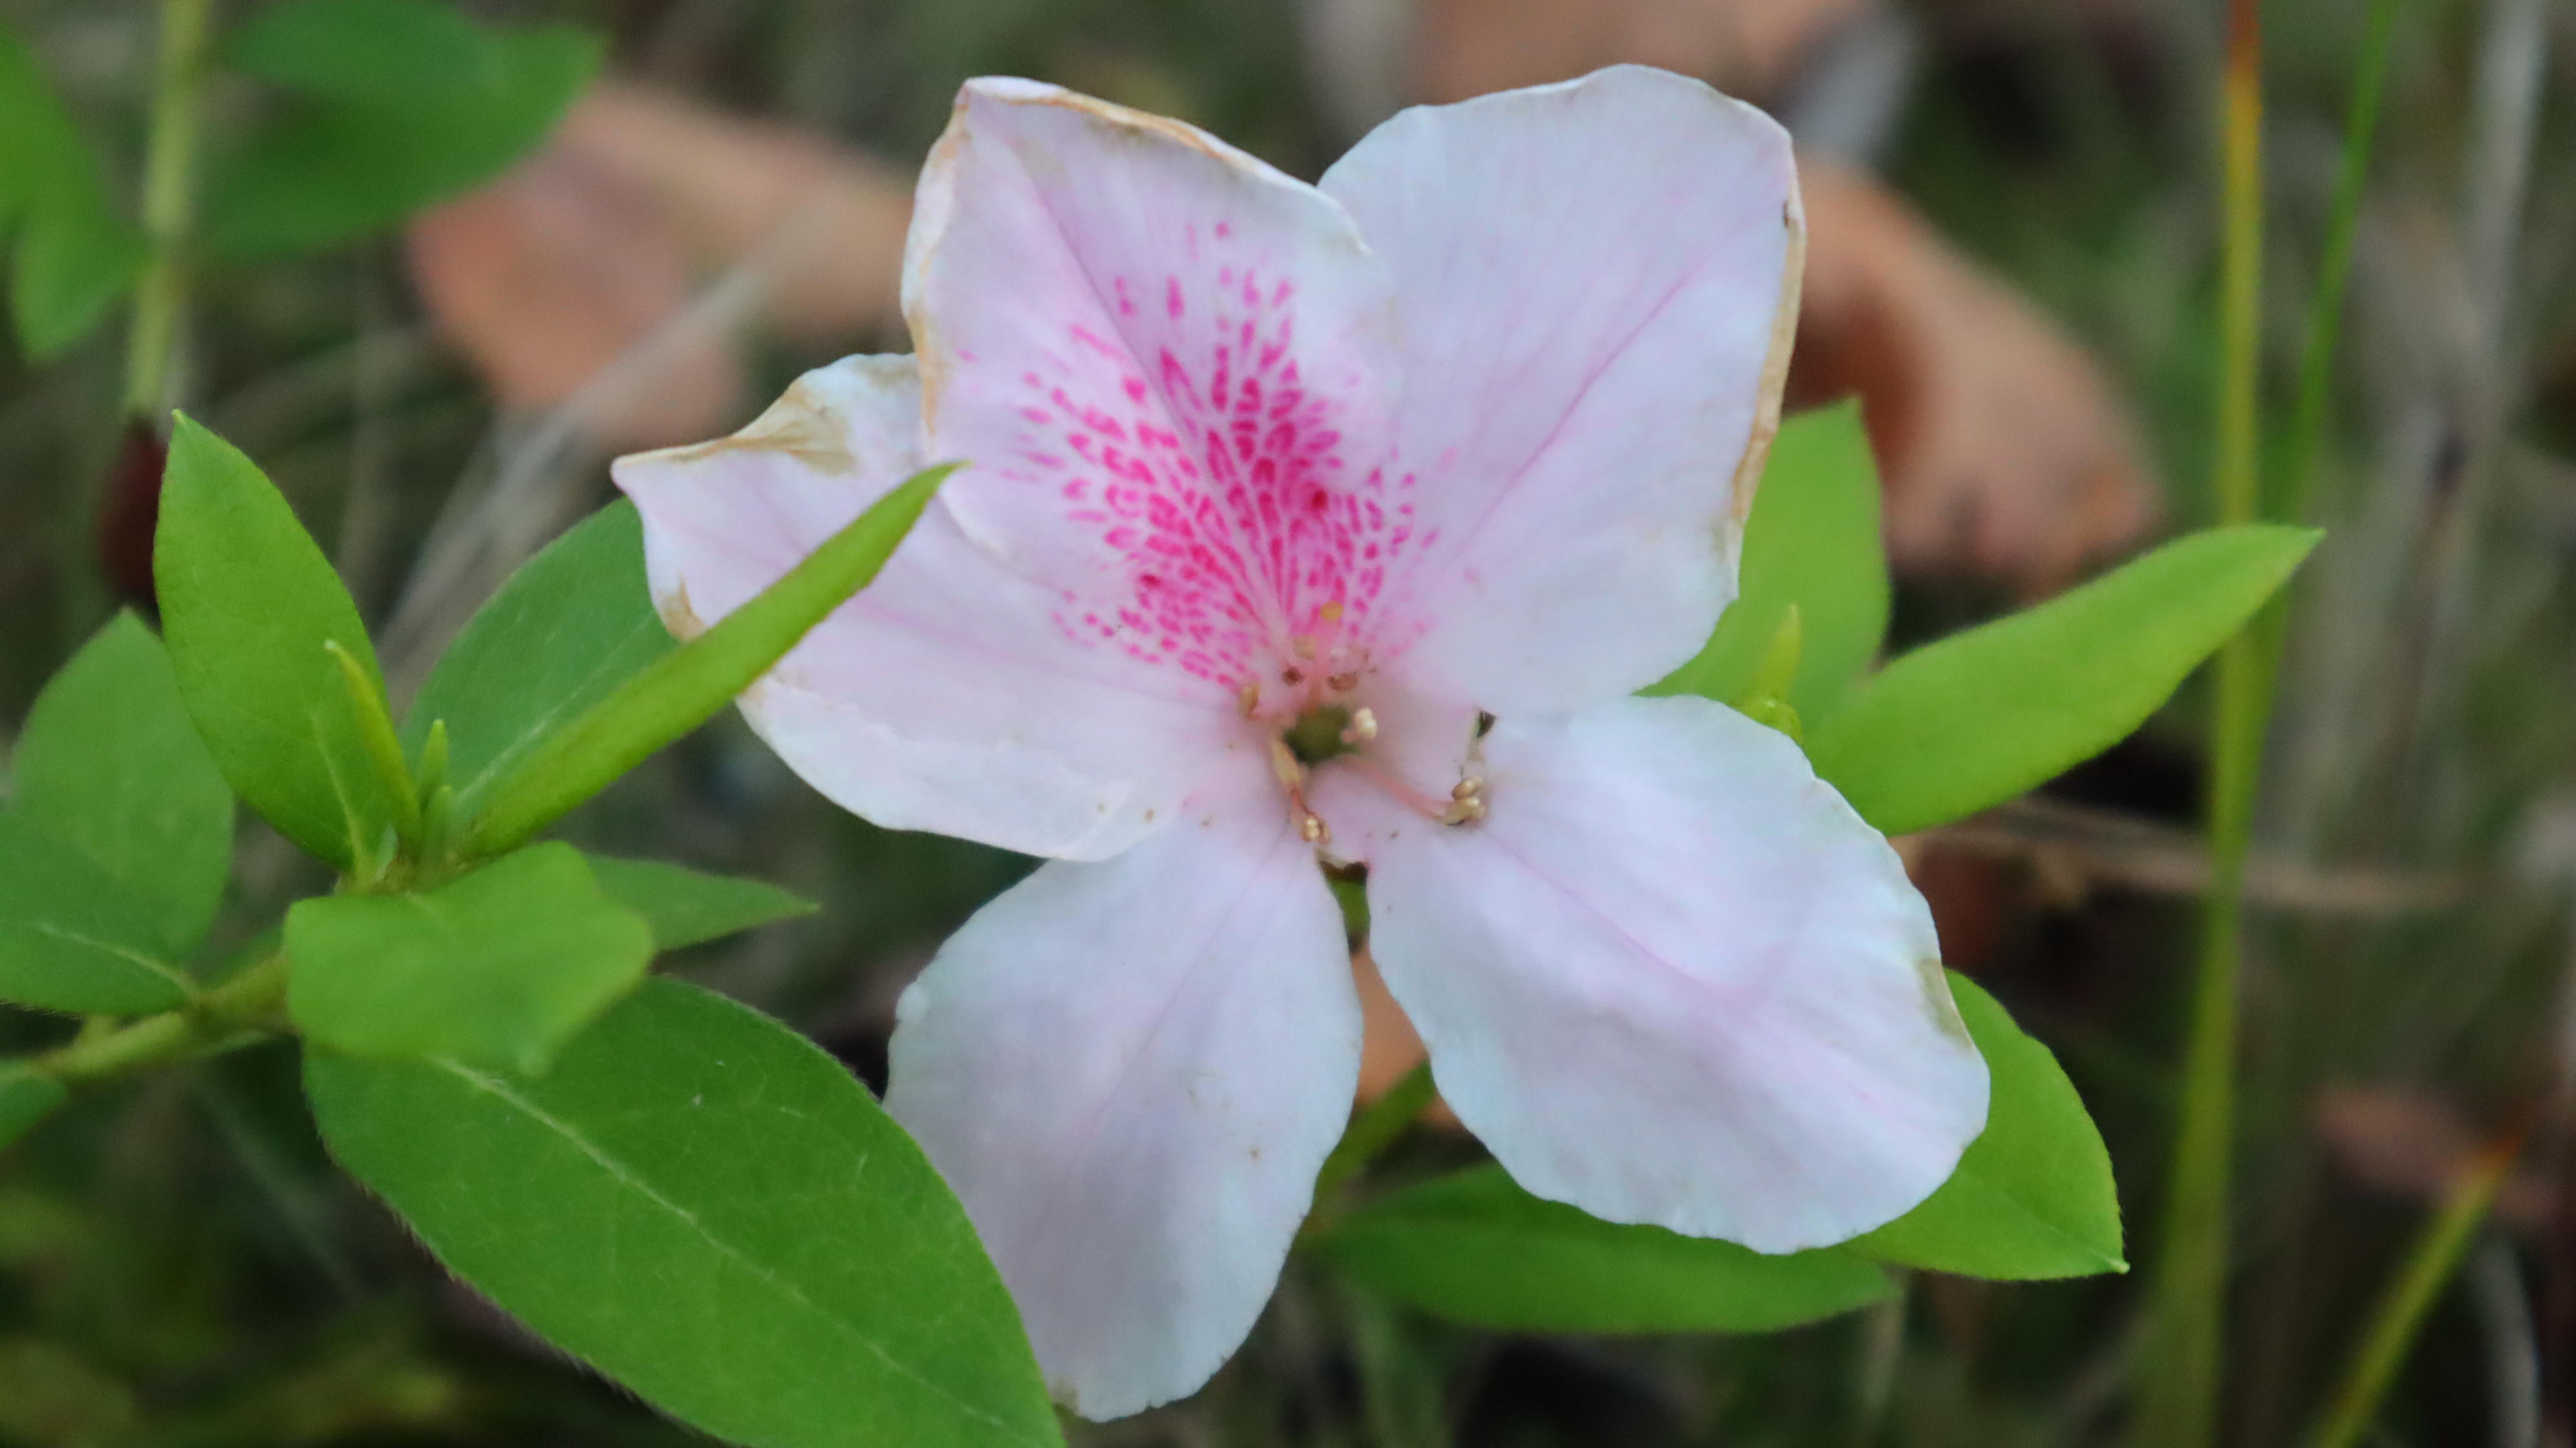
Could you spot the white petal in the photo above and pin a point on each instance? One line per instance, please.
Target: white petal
(947, 696)
(1129, 1072)
(1171, 368)
(1672, 978)
(1596, 283)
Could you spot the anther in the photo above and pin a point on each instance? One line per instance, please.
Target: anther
(1251, 699)
(1311, 829)
(1466, 802)
(1330, 613)
(1345, 681)
(1302, 646)
(1363, 727)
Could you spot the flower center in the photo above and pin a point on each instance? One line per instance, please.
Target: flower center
(1327, 732)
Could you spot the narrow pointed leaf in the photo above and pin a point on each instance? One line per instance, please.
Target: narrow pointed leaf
(686, 687)
(1475, 1248)
(1812, 541)
(561, 635)
(2033, 1196)
(248, 604)
(688, 907)
(706, 1207)
(498, 968)
(1982, 716)
(71, 938)
(110, 764)
(27, 1096)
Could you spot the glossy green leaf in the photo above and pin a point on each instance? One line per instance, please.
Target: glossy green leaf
(109, 763)
(1982, 716)
(397, 104)
(2033, 1196)
(74, 255)
(1476, 1248)
(27, 1096)
(71, 938)
(1813, 542)
(686, 687)
(706, 1207)
(688, 907)
(498, 968)
(248, 604)
(561, 635)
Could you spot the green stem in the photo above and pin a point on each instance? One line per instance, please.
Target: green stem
(2410, 1296)
(242, 1009)
(169, 202)
(2180, 1390)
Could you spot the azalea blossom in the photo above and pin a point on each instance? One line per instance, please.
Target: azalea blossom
(1338, 521)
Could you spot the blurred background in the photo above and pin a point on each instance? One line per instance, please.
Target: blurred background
(2013, 264)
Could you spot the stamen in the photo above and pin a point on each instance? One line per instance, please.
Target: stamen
(1292, 776)
(1331, 612)
(1345, 681)
(1251, 699)
(1363, 727)
(1465, 804)
(1303, 647)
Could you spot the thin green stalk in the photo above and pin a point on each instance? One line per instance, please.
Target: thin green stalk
(2179, 1400)
(169, 202)
(2400, 1314)
(242, 1009)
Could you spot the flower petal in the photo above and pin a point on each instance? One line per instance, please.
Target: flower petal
(1597, 284)
(1171, 368)
(944, 697)
(1672, 978)
(1130, 1072)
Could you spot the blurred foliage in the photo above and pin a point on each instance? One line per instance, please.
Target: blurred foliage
(178, 1264)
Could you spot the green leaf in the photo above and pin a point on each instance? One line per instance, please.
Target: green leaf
(2033, 1197)
(498, 968)
(249, 605)
(1813, 542)
(684, 688)
(361, 50)
(398, 104)
(1476, 1248)
(109, 763)
(707, 1208)
(561, 635)
(27, 1096)
(75, 255)
(686, 907)
(71, 938)
(1978, 718)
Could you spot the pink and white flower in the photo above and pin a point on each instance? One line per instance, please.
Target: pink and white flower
(1347, 519)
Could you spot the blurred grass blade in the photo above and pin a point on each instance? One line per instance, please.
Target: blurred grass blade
(2183, 1367)
(686, 687)
(1979, 717)
(2399, 1317)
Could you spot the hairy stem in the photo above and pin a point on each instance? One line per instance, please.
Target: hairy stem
(246, 1008)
